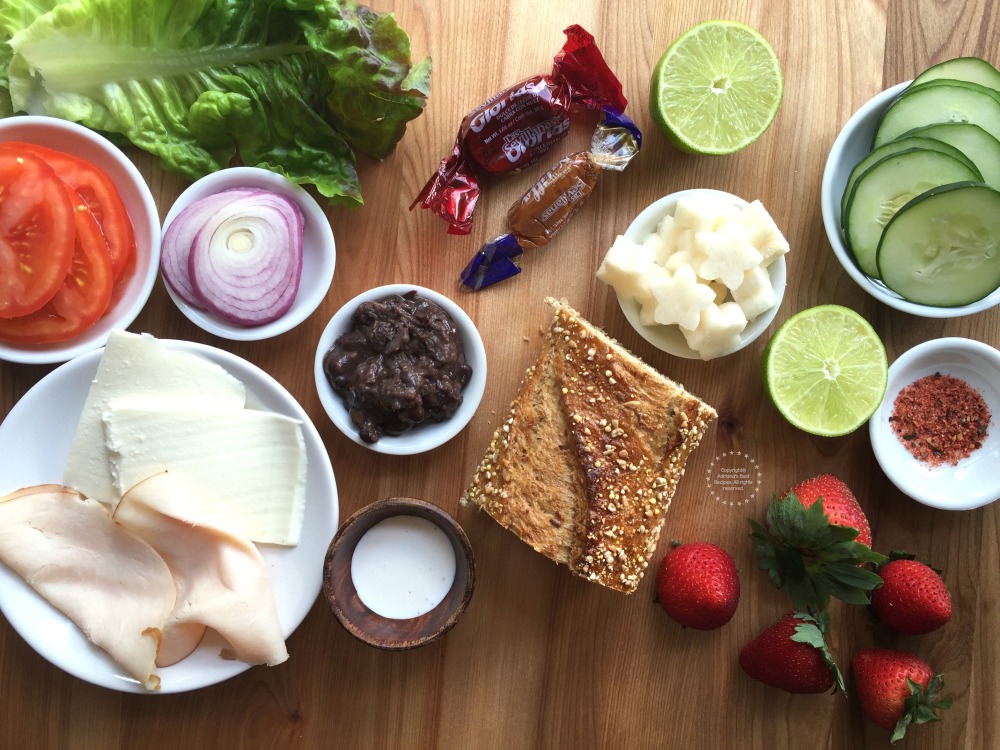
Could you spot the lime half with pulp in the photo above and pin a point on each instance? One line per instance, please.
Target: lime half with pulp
(716, 89)
(825, 370)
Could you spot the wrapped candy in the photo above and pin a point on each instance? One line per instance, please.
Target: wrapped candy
(551, 202)
(516, 126)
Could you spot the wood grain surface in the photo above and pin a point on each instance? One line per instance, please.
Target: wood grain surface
(542, 659)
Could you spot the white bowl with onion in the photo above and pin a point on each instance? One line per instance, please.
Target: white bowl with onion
(250, 254)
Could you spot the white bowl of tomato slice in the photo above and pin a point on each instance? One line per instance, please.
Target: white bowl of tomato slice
(79, 240)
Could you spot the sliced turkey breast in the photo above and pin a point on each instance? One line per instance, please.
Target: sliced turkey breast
(112, 585)
(222, 580)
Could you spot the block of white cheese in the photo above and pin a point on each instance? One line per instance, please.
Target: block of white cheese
(132, 366)
(247, 467)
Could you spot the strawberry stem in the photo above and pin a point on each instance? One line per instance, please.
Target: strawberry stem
(921, 705)
(813, 630)
(810, 558)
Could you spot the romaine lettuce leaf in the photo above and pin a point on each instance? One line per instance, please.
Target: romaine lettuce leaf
(290, 85)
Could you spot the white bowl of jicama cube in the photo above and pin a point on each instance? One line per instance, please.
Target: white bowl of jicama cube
(250, 254)
(699, 273)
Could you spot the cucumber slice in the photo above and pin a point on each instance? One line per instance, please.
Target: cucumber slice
(972, 69)
(934, 104)
(943, 247)
(886, 186)
(981, 147)
(894, 147)
(952, 82)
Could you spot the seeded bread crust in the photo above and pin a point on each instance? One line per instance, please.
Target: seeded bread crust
(588, 460)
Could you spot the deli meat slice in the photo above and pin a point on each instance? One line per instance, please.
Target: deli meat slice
(222, 580)
(110, 584)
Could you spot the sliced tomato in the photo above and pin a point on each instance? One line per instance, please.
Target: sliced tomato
(37, 232)
(85, 292)
(99, 191)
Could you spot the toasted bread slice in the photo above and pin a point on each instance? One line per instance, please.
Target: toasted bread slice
(586, 464)
(584, 468)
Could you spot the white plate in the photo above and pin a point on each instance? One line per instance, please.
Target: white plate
(35, 441)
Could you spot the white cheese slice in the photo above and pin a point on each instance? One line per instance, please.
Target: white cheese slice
(248, 467)
(133, 366)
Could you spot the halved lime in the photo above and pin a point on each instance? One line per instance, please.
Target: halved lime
(825, 370)
(716, 89)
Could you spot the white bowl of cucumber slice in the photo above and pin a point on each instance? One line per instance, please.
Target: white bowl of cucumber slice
(911, 192)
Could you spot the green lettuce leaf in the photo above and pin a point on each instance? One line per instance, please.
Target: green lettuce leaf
(294, 86)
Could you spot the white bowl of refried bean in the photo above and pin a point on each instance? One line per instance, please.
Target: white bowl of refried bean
(936, 434)
(400, 369)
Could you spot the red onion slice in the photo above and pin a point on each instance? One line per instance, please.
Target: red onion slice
(245, 262)
(177, 240)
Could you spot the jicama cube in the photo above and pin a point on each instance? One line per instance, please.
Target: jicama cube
(728, 254)
(624, 266)
(645, 297)
(718, 330)
(658, 246)
(703, 212)
(775, 247)
(755, 294)
(667, 231)
(644, 286)
(687, 252)
(680, 298)
(763, 232)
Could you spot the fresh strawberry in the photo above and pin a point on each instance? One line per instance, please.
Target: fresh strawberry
(698, 586)
(912, 599)
(897, 689)
(792, 655)
(814, 546)
(839, 504)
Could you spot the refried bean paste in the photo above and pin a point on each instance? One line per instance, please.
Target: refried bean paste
(402, 364)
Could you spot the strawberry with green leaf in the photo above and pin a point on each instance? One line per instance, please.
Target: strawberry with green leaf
(793, 655)
(841, 505)
(897, 689)
(815, 545)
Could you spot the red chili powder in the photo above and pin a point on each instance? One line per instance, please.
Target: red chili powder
(940, 419)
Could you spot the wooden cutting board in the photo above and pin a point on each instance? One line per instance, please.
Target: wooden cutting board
(542, 659)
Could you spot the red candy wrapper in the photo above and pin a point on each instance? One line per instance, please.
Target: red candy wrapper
(515, 127)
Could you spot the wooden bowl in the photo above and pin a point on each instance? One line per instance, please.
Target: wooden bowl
(371, 627)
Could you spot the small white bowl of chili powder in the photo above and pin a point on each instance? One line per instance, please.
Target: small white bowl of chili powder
(936, 434)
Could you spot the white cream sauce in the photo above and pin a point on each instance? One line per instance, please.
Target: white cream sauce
(403, 567)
